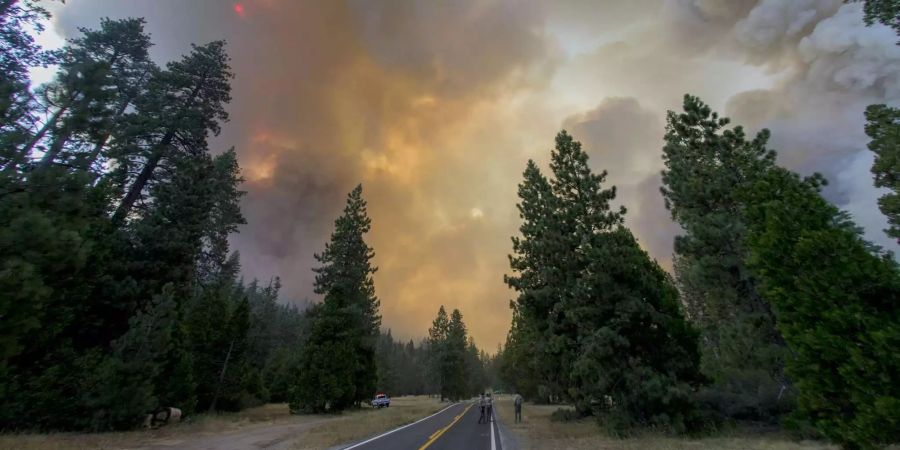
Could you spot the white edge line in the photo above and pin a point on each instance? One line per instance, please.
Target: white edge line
(493, 424)
(400, 428)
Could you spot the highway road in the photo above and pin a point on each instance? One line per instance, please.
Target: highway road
(453, 428)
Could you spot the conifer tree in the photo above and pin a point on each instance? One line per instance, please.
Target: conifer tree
(540, 280)
(707, 166)
(437, 349)
(637, 351)
(18, 53)
(837, 307)
(609, 315)
(348, 321)
(884, 11)
(883, 127)
(518, 367)
(182, 105)
(454, 373)
(328, 366)
(94, 68)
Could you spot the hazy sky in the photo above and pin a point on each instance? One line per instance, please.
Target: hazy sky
(435, 106)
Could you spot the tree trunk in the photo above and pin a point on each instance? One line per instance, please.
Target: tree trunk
(54, 150)
(212, 406)
(138, 186)
(22, 154)
(142, 179)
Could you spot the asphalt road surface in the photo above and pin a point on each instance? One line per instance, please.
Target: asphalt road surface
(453, 428)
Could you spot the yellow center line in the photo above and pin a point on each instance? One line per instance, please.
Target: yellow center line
(438, 433)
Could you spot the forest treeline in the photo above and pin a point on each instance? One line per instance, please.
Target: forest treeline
(779, 311)
(119, 293)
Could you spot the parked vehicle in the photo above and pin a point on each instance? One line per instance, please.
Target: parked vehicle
(381, 401)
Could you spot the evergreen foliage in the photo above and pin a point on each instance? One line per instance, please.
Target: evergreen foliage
(456, 367)
(884, 11)
(707, 166)
(437, 347)
(338, 369)
(603, 315)
(106, 319)
(838, 307)
(883, 127)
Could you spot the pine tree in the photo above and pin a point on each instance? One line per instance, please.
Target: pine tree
(883, 127)
(18, 53)
(581, 210)
(94, 68)
(347, 321)
(707, 166)
(518, 366)
(637, 351)
(326, 382)
(884, 11)
(539, 278)
(837, 307)
(230, 381)
(437, 349)
(454, 373)
(603, 315)
(182, 105)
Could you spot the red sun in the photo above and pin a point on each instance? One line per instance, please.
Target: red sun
(239, 9)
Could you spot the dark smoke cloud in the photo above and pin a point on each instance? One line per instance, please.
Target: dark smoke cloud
(436, 106)
(330, 94)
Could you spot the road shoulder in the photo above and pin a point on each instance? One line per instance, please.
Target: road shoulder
(508, 441)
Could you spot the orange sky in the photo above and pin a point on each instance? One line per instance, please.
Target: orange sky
(436, 107)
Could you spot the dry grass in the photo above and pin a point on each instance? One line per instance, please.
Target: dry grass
(203, 430)
(199, 424)
(356, 425)
(537, 431)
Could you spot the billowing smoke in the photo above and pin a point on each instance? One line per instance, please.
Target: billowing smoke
(829, 66)
(436, 106)
(818, 67)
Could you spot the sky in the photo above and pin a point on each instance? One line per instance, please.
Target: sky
(436, 106)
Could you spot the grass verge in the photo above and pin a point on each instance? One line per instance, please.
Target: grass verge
(194, 425)
(356, 425)
(537, 431)
(328, 430)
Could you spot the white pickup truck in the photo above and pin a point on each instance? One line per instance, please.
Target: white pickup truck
(381, 401)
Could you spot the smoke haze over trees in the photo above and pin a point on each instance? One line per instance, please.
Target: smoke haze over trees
(411, 115)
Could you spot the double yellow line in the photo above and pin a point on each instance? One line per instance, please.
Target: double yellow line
(440, 432)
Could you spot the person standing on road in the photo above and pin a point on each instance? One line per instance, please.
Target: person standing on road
(518, 403)
(490, 409)
(481, 403)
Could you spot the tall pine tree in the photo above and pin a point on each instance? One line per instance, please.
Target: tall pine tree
(539, 278)
(181, 106)
(437, 349)
(603, 314)
(707, 166)
(347, 323)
